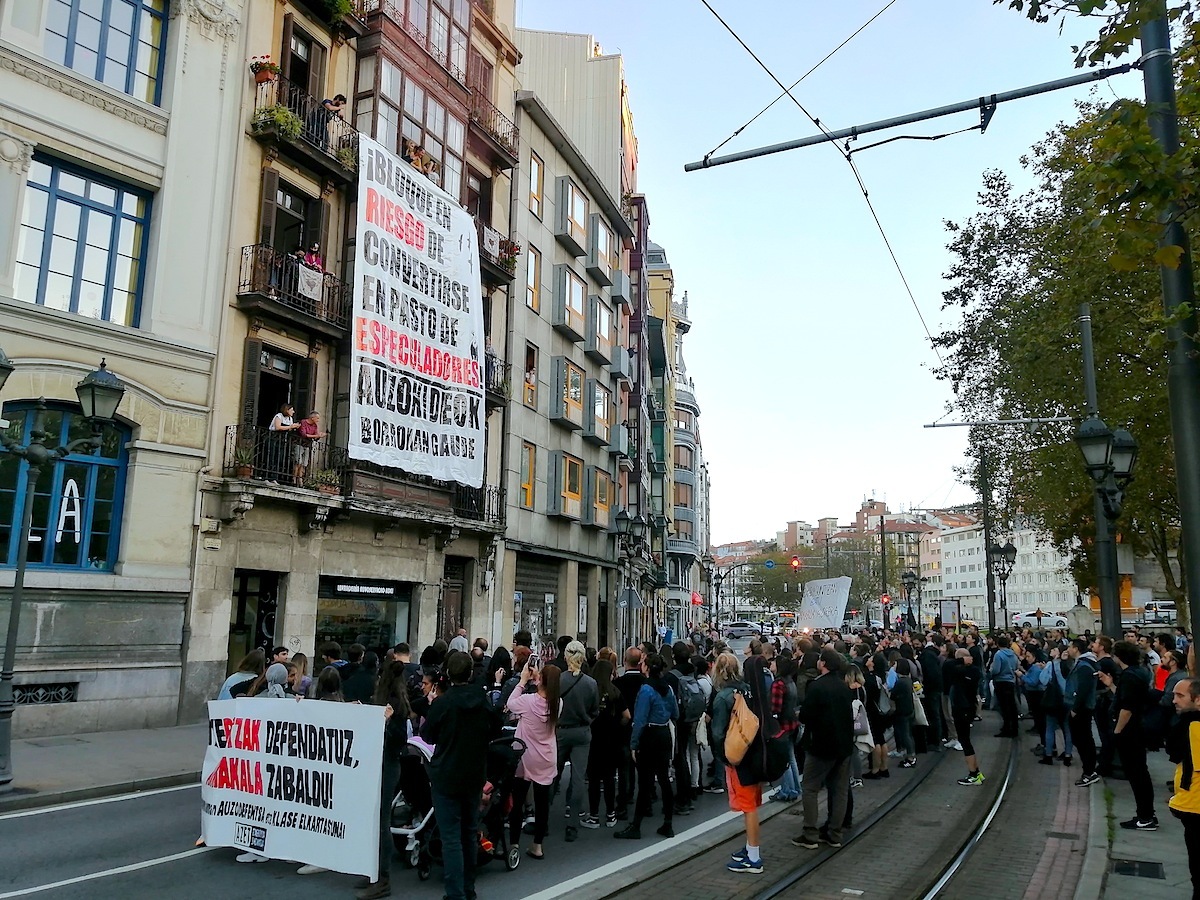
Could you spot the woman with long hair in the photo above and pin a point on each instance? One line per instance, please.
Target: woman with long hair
(650, 746)
(303, 680)
(876, 671)
(743, 798)
(537, 721)
(783, 704)
(329, 685)
(606, 748)
(253, 665)
(905, 710)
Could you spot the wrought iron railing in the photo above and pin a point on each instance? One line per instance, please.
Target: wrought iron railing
(493, 121)
(293, 114)
(284, 277)
(497, 374)
(284, 458)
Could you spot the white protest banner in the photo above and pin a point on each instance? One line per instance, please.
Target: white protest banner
(824, 603)
(416, 398)
(295, 780)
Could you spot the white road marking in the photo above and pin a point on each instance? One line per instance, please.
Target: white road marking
(625, 862)
(120, 870)
(62, 807)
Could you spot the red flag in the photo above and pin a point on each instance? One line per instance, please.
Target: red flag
(697, 600)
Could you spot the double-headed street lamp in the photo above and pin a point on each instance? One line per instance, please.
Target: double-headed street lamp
(1109, 456)
(1002, 560)
(631, 531)
(912, 584)
(99, 396)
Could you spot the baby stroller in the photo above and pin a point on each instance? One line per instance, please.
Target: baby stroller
(414, 828)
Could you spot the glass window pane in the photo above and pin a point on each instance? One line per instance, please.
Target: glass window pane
(90, 302)
(389, 81)
(98, 550)
(95, 265)
(99, 229)
(62, 256)
(39, 173)
(129, 240)
(414, 100)
(29, 247)
(66, 220)
(58, 292)
(87, 33)
(133, 204)
(455, 133)
(122, 307)
(117, 49)
(120, 18)
(27, 283)
(102, 193)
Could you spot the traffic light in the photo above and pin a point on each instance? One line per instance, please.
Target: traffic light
(796, 564)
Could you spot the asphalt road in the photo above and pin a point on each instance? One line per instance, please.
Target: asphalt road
(142, 846)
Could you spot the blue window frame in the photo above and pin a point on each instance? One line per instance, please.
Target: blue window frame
(117, 42)
(77, 503)
(82, 247)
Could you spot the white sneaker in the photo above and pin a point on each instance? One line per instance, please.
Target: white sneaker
(250, 858)
(954, 745)
(310, 870)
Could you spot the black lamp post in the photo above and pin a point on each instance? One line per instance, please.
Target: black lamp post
(910, 580)
(99, 395)
(1109, 457)
(1002, 560)
(630, 532)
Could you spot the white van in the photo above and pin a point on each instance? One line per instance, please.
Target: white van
(1160, 611)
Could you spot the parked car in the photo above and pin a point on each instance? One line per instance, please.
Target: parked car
(742, 629)
(1029, 620)
(1160, 611)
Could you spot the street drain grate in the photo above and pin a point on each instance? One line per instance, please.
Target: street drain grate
(1064, 835)
(1139, 868)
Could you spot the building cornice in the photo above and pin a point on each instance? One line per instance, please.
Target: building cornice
(84, 90)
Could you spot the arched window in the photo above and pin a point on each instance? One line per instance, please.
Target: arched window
(77, 502)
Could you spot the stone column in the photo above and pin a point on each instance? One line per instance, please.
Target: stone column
(16, 153)
(567, 600)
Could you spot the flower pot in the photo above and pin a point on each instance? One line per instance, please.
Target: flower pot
(328, 489)
(245, 471)
(262, 76)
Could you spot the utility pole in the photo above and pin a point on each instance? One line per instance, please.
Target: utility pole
(985, 492)
(882, 567)
(1183, 370)
(1106, 551)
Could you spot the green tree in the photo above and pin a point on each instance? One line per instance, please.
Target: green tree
(1022, 265)
(776, 588)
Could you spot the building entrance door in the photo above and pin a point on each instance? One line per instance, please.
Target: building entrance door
(252, 614)
(451, 612)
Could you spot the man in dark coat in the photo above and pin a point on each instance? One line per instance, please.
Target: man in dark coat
(460, 725)
(828, 717)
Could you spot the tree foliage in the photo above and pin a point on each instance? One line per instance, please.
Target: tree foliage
(859, 559)
(1023, 264)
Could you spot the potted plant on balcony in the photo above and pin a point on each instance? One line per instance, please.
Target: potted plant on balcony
(338, 10)
(243, 460)
(278, 118)
(509, 251)
(348, 157)
(264, 69)
(327, 481)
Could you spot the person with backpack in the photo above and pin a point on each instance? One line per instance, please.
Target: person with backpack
(1053, 681)
(1080, 701)
(743, 798)
(785, 705)
(700, 733)
(828, 717)
(690, 697)
(879, 711)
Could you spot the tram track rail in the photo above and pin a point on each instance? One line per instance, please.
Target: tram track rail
(798, 874)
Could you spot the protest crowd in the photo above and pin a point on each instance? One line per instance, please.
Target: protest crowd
(631, 739)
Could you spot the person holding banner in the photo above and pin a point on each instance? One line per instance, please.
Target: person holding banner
(461, 723)
(392, 694)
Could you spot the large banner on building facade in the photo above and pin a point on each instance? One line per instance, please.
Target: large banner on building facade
(417, 351)
(295, 780)
(824, 603)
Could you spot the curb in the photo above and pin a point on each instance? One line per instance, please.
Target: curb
(1095, 858)
(34, 799)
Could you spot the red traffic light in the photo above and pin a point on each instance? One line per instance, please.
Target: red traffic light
(796, 564)
(885, 599)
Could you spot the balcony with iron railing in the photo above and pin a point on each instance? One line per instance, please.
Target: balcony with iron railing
(497, 255)
(443, 56)
(497, 380)
(498, 130)
(283, 287)
(290, 467)
(300, 125)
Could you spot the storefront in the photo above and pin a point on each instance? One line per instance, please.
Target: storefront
(371, 612)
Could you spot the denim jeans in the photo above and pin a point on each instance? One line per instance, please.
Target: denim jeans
(789, 782)
(458, 824)
(1053, 724)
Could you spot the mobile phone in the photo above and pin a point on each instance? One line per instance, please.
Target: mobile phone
(535, 661)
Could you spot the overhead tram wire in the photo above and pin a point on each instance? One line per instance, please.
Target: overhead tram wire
(846, 155)
(861, 28)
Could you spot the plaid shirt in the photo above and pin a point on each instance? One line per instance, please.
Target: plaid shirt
(778, 696)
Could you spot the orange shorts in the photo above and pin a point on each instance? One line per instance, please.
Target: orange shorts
(742, 798)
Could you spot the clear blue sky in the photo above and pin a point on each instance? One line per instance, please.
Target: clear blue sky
(811, 366)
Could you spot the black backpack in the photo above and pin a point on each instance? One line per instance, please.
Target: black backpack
(691, 699)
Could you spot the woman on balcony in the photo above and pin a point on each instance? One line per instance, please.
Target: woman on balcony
(277, 442)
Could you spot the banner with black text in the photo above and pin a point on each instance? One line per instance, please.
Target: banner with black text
(295, 780)
(417, 348)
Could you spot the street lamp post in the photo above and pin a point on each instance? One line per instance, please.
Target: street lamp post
(1002, 560)
(630, 532)
(910, 581)
(1109, 457)
(99, 396)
